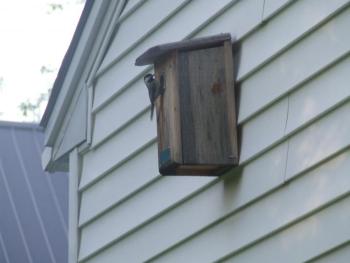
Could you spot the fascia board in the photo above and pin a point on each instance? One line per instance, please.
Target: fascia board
(76, 68)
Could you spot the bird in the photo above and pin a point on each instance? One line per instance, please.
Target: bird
(155, 89)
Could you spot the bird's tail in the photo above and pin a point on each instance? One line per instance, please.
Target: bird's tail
(152, 111)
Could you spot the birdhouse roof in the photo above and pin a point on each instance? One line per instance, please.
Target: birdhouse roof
(156, 52)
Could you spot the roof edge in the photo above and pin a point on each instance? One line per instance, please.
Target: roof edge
(20, 125)
(66, 63)
(156, 52)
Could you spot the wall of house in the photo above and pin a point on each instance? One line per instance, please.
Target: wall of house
(289, 198)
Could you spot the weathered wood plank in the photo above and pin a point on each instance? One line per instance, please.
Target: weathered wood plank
(196, 114)
(154, 53)
(168, 107)
(231, 102)
(203, 104)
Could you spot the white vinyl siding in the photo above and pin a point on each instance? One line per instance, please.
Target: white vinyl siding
(289, 195)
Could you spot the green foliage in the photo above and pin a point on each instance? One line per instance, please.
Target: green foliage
(27, 107)
(52, 7)
(45, 69)
(32, 110)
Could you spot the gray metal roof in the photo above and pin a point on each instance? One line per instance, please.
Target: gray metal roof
(33, 204)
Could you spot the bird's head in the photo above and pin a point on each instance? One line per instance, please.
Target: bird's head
(148, 78)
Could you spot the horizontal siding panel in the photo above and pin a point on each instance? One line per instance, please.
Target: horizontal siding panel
(235, 191)
(272, 6)
(319, 95)
(137, 24)
(119, 184)
(320, 126)
(111, 118)
(310, 237)
(262, 131)
(180, 26)
(306, 103)
(320, 140)
(128, 213)
(137, 96)
(296, 65)
(137, 210)
(234, 20)
(104, 158)
(308, 193)
(131, 5)
(278, 33)
(340, 255)
(311, 101)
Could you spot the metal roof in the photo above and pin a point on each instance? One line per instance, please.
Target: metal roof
(33, 204)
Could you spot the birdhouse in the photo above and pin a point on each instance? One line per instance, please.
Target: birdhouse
(196, 118)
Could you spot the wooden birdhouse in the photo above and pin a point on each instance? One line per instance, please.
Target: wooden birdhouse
(196, 115)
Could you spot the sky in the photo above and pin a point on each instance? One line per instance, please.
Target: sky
(32, 36)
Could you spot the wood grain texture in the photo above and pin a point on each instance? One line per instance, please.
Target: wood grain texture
(230, 102)
(196, 116)
(203, 107)
(167, 110)
(154, 53)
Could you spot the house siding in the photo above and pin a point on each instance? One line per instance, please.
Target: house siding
(287, 201)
